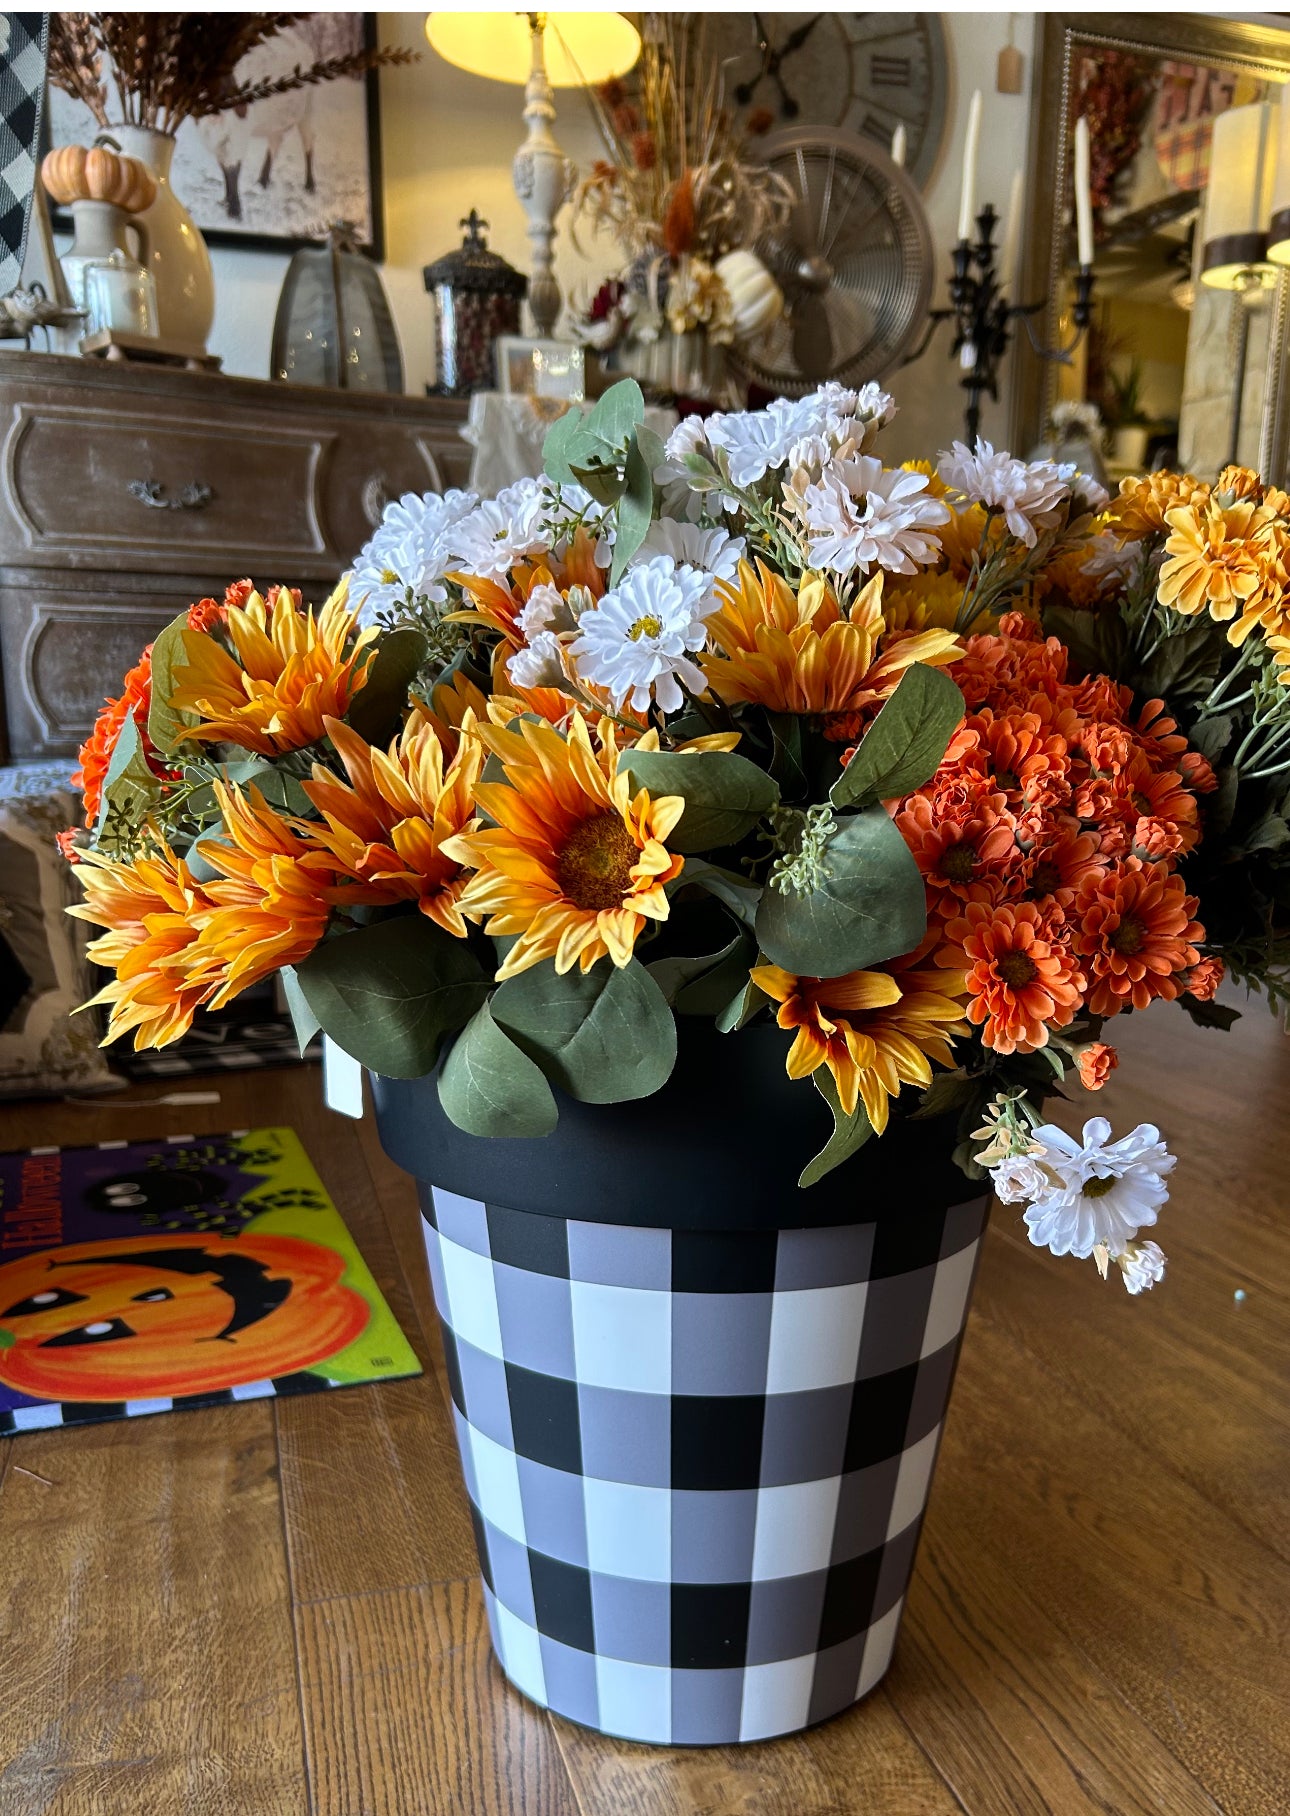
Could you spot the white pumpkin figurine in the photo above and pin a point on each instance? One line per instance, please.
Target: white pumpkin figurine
(756, 300)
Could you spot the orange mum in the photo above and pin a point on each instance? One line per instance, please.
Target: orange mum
(1135, 934)
(575, 864)
(388, 827)
(1096, 1063)
(96, 752)
(874, 1030)
(1219, 559)
(799, 652)
(1021, 977)
(1144, 502)
(292, 671)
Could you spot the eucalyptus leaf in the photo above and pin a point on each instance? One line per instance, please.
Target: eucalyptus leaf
(717, 991)
(651, 445)
(376, 711)
(303, 1019)
(904, 745)
(130, 789)
(489, 1087)
(616, 416)
(741, 1008)
(604, 480)
(635, 511)
(735, 892)
(850, 1132)
(871, 905)
(604, 1035)
(281, 789)
(673, 975)
(165, 721)
(388, 993)
(725, 794)
(558, 444)
(788, 762)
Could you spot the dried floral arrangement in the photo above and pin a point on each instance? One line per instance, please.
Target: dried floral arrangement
(941, 768)
(170, 67)
(682, 199)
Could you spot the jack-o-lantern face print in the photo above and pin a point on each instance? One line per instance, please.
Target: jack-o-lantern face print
(179, 1314)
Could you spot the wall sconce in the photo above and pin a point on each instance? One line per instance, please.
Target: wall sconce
(1238, 201)
(539, 52)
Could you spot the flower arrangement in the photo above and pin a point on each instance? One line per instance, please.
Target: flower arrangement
(683, 202)
(744, 726)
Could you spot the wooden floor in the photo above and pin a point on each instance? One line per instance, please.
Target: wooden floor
(272, 1608)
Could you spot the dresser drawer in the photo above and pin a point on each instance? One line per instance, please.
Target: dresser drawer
(165, 490)
(374, 462)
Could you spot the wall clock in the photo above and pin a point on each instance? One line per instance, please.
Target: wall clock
(865, 72)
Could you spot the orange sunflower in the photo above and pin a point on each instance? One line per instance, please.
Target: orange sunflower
(387, 828)
(874, 1030)
(292, 670)
(1021, 977)
(152, 908)
(1135, 934)
(799, 652)
(575, 864)
(499, 606)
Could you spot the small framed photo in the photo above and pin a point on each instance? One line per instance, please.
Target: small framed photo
(540, 368)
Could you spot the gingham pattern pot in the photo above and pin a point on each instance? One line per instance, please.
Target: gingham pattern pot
(698, 1461)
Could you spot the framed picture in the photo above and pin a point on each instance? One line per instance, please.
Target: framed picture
(276, 176)
(540, 368)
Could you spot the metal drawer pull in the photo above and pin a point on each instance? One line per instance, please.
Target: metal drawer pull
(193, 497)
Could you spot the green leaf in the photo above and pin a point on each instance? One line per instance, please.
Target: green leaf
(389, 992)
(949, 1093)
(489, 1087)
(849, 1132)
(130, 789)
(1269, 834)
(604, 1035)
(871, 906)
(735, 892)
(673, 975)
(635, 511)
(559, 442)
(904, 745)
(788, 763)
(603, 479)
(1097, 640)
(617, 416)
(739, 1011)
(377, 709)
(653, 452)
(168, 654)
(725, 794)
(303, 1019)
(281, 789)
(1211, 736)
(717, 990)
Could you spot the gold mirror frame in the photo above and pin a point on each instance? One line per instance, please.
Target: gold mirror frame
(1259, 50)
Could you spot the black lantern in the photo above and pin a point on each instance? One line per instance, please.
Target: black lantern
(477, 297)
(333, 325)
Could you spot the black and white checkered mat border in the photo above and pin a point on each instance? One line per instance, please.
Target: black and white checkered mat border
(24, 43)
(698, 1463)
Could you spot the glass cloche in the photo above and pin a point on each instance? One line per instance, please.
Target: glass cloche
(333, 325)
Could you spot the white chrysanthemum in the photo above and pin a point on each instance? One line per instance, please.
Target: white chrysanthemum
(1086, 493)
(1110, 559)
(687, 437)
(637, 642)
(539, 665)
(1142, 1264)
(1018, 1179)
(1031, 497)
(715, 551)
(860, 515)
(1105, 1191)
(838, 417)
(504, 530)
(545, 610)
(756, 442)
(409, 553)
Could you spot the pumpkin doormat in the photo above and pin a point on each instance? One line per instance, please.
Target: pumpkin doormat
(140, 1277)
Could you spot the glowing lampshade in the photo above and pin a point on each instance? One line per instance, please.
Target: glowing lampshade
(1238, 201)
(1279, 226)
(581, 48)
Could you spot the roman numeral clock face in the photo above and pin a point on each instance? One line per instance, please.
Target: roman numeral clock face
(867, 72)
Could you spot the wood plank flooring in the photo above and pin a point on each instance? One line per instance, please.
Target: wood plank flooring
(271, 1609)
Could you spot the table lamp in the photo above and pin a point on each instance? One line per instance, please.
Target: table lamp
(540, 52)
(1239, 200)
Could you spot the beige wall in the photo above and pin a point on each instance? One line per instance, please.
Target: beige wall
(448, 142)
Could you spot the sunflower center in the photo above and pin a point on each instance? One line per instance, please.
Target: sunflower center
(1017, 969)
(646, 626)
(958, 862)
(594, 868)
(1098, 1187)
(1129, 935)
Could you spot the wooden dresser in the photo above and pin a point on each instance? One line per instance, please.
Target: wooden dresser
(126, 492)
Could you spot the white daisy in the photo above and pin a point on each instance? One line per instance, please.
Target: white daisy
(715, 551)
(637, 642)
(1018, 1179)
(757, 441)
(504, 530)
(860, 514)
(545, 610)
(1142, 1265)
(682, 493)
(1104, 1191)
(406, 558)
(1032, 497)
(1086, 493)
(539, 665)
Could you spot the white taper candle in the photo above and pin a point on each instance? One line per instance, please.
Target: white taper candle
(1083, 195)
(967, 195)
(899, 142)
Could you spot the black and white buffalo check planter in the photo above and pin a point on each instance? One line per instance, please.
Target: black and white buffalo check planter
(697, 1461)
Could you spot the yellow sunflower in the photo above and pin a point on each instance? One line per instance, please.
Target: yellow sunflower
(799, 652)
(575, 864)
(292, 670)
(874, 1030)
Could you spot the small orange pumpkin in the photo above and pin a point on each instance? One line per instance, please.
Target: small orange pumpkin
(134, 1317)
(73, 174)
(63, 173)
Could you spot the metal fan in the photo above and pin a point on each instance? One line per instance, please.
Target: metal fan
(854, 261)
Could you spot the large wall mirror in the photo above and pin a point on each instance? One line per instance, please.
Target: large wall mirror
(1181, 373)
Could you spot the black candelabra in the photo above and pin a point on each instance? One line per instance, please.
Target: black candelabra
(984, 318)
